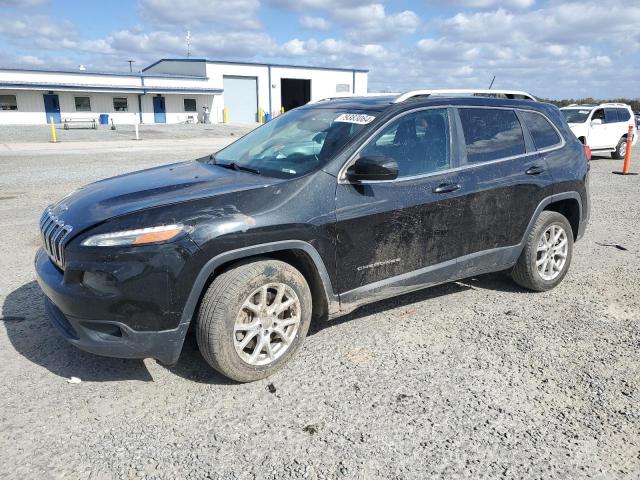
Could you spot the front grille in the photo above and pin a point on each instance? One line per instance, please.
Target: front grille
(54, 235)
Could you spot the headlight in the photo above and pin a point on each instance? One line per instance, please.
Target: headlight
(140, 236)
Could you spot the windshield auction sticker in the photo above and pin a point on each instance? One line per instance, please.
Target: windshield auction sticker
(359, 118)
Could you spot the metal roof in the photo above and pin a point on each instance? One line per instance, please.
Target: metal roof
(280, 65)
(76, 87)
(114, 74)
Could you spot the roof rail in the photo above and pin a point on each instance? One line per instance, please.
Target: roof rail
(353, 95)
(515, 94)
(614, 104)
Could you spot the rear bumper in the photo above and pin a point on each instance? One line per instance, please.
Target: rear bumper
(106, 337)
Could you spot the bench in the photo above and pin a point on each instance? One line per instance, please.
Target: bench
(90, 120)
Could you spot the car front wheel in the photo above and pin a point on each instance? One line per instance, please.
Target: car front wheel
(547, 253)
(253, 318)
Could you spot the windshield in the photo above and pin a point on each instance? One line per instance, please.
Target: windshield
(575, 115)
(295, 143)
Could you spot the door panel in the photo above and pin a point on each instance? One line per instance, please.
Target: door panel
(387, 229)
(598, 134)
(52, 108)
(159, 110)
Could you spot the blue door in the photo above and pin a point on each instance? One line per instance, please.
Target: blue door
(159, 110)
(52, 108)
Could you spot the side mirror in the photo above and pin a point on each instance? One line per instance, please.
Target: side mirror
(595, 122)
(373, 168)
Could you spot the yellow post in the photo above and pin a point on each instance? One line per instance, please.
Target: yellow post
(53, 130)
(225, 115)
(260, 116)
(282, 110)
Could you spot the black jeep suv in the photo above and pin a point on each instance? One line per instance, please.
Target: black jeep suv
(324, 208)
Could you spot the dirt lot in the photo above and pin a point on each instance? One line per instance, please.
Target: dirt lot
(474, 379)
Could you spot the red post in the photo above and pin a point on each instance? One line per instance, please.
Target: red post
(627, 155)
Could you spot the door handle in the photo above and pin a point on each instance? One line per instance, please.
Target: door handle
(535, 170)
(446, 188)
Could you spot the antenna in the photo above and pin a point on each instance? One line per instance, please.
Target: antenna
(188, 43)
(131, 62)
(492, 80)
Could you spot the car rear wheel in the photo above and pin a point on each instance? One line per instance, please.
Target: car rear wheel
(621, 149)
(546, 256)
(253, 318)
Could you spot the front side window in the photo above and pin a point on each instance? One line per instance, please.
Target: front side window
(8, 102)
(189, 104)
(491, 134)
(83, 104)
(120, 104)
(418, 142)
(296, 143)
(598, 115)
(542, 132)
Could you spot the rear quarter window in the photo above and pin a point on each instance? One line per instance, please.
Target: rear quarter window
(624, 115)
(491, 134)
(544, 135)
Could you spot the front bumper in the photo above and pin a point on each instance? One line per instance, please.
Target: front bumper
(100, 336)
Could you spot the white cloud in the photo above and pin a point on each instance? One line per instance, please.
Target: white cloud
(188, 13)
(482, 4)
(314, 23)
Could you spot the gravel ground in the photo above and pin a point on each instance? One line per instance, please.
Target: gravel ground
(41, 133)
(473, 379)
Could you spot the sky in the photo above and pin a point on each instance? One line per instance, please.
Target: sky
(551, 49)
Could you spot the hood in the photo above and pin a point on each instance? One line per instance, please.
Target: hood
(150, 188)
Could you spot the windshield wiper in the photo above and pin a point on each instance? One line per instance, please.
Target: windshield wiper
(235, 166)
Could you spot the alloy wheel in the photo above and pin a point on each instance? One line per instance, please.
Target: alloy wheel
(553, 248)
(267, 324)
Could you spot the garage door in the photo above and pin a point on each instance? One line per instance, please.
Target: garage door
(241, 98)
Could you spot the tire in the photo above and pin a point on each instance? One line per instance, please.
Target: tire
(620, 150)
(224, 320)
(526, 272)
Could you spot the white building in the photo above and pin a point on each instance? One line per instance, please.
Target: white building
(170, 91)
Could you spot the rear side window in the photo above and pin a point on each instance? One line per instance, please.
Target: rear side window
(611, 115)
(542, 132)
(491, 134)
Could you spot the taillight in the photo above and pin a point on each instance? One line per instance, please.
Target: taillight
(587, 152)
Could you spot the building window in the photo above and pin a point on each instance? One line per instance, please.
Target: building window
(83, 104)
(343, 88)
(190, 105)
(8, 102)
(120, 104)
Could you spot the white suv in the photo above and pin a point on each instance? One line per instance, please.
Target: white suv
(603, 128)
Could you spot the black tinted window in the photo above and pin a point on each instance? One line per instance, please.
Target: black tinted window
(542, 132)
(418, 142)
(611, 115)
(491, 134)
(623, 114)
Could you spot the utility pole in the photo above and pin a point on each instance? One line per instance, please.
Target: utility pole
(131, 62)
(188, 43)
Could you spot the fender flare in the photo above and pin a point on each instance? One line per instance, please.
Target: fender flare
(205, 273)
(548, 201)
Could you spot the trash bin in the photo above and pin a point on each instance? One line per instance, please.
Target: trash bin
(267, 117)
(104, 119)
